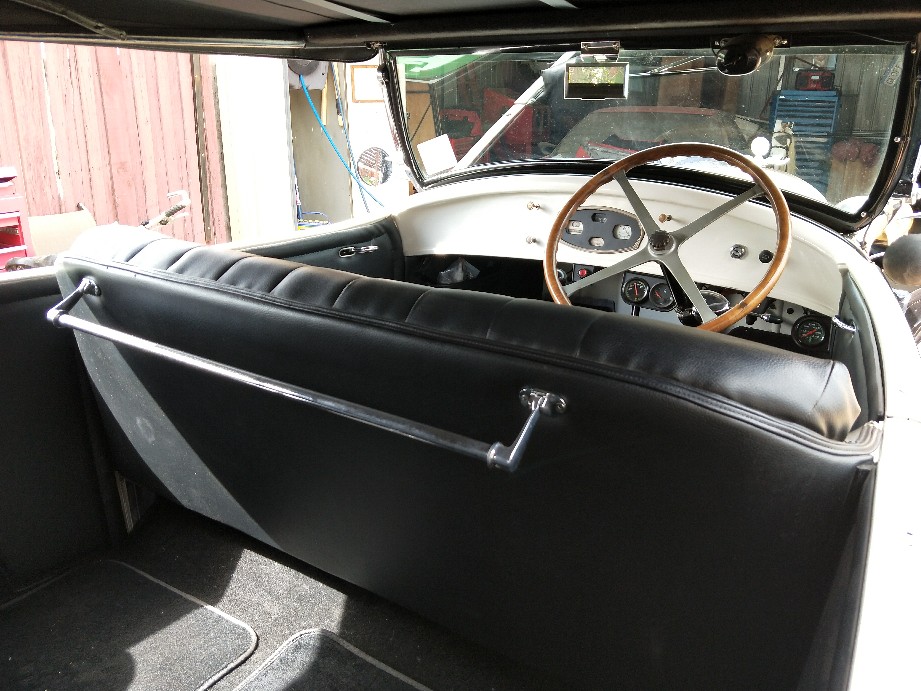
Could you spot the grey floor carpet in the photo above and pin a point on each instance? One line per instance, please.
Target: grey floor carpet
(279, 596)
(107, 626)
(318, 660)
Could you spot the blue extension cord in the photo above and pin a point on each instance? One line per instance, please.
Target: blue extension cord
(333, 144)
(343, 121)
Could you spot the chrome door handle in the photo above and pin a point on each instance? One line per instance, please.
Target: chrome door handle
(351, 251)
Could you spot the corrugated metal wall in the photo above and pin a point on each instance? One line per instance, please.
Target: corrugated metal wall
(113, 129)
(867, 93)
(866, 85)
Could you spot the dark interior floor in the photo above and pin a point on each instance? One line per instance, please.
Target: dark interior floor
(278, 596)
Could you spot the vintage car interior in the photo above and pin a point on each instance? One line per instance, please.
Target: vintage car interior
(617, 399)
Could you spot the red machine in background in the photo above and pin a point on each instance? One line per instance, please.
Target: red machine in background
(815, 80)
(518, 137)
(465, 126)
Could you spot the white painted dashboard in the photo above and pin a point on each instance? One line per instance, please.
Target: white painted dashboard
(511, 216)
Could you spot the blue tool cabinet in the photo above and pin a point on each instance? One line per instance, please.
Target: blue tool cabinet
(813, 115)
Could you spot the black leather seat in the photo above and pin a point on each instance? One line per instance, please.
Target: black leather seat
(681, 526)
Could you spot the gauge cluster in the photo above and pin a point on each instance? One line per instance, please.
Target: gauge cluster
(774, 322)
(603, 230)
(647, 296)
(654, 294)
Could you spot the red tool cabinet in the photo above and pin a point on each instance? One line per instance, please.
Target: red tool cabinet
(15, 240)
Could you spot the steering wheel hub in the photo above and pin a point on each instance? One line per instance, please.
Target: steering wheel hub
(661, 242)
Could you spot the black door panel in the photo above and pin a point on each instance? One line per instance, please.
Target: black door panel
(374, 250)
(51, 507)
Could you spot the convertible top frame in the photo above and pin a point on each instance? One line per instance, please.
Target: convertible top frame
(335, 31)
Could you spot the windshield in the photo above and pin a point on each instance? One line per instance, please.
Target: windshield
(819, 119)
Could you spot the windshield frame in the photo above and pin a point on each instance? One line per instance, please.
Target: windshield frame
(891, 170)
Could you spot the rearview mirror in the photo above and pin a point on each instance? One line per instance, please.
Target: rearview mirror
(596, 79)
(744, 54)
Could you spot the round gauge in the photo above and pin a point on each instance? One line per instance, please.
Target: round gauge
(623, 232)
(715, 301)
(809, 332)
(635, 291)
(661, 296)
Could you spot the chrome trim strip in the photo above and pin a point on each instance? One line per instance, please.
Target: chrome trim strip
(82, 20)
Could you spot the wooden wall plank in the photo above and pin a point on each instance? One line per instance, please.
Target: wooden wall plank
(171, 110)
(37, 167)
(141, 64)
(101, 201)
(67, 118)
(213, 149)
(118, 129)
(194, 223)
(121, 133)
(160, 185)
(9, 129)
(171, 118)
(76, 123)
(201, 145)
(132, 132)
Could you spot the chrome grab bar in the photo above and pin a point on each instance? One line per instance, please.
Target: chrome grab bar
(497, 455)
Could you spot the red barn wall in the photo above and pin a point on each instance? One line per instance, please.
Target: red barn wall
(115, 130)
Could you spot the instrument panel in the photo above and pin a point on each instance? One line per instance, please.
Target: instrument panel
(603, 230)
(655, 294)
(648, 296)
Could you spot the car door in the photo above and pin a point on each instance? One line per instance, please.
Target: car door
(56, 499)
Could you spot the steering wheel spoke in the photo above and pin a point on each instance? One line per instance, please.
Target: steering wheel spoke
(674, 264)
(642, 213)
(697, 225)
(663, 246)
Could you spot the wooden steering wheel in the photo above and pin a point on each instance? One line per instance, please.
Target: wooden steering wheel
(662, 246)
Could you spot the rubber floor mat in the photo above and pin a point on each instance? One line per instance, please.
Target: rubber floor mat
(318, 660)
(108, 626)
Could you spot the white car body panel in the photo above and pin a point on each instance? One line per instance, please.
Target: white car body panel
(491, 216)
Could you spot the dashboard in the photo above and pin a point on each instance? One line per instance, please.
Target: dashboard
(509, 218)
